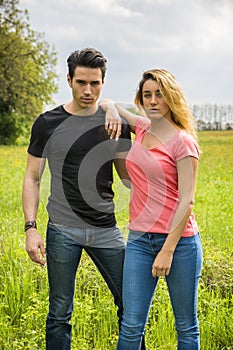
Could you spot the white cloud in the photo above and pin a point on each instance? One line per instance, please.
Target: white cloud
(193, 39)
(109, 7)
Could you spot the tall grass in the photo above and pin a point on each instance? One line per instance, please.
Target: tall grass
(24, 287)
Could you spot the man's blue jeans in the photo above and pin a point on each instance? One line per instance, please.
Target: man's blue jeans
(139, 286)
(63, 256)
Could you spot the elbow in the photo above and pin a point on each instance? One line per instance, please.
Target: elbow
(37, 183)
(187, 203)
(190, 206)
(191, 201)
(126, 183)
(30, 182)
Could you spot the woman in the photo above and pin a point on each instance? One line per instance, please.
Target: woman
(163, 238)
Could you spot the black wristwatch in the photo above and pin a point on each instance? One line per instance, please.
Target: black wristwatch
(30, 224)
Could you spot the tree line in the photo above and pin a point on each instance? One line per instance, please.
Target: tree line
(28, 76)
(213, 116)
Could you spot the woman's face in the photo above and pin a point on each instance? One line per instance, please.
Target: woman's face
(153, 103)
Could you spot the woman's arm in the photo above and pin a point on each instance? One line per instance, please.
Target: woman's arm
(113, 110)
(187, 172)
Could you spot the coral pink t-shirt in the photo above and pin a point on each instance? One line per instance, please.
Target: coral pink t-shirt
(154, 181)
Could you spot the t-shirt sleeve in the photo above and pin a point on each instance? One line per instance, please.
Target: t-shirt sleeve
(39, 138)
(124, 142)
(186, 147)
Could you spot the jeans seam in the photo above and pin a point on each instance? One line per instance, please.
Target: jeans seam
(106, 271)
(196, 285)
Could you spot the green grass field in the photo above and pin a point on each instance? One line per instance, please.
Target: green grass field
(24, 288)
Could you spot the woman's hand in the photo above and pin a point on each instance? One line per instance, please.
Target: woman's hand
(162, 264)
(113, 120)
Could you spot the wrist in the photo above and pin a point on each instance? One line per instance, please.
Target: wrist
(29, 225)
(168, 250)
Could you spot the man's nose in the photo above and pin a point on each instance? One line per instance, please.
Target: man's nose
(87, 89)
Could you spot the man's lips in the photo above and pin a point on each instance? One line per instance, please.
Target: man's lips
(87, 99)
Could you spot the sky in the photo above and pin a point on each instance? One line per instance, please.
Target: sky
(190, 38)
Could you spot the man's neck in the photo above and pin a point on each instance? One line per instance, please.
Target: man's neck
(71, 108)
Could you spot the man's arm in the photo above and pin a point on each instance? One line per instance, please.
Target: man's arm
(119, 163)
(30, 200)
(113, 112)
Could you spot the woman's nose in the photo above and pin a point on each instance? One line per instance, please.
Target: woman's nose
(153, 100)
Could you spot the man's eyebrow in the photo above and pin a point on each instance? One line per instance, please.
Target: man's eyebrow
(84, 81)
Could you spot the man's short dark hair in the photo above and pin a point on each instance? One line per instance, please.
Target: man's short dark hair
(87, 57)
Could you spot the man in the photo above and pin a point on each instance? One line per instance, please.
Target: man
(80, 153)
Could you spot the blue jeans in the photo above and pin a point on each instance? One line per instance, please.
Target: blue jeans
(63, 256)
(139, 286)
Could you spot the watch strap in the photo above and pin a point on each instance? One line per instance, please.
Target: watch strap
(30, 224)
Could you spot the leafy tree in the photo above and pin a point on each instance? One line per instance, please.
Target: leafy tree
(27, 72)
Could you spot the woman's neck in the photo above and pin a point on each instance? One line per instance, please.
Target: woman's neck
(163, 129)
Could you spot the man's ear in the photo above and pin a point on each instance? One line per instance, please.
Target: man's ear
(103, 81)
(69, 80)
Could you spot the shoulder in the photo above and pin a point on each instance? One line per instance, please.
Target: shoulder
(39, 127)
(186, 138)
(51, 119)
(185, 145)
(57, 113)
(141, 125)
(43, 127)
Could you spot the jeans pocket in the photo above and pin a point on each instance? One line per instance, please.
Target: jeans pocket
(59, 247)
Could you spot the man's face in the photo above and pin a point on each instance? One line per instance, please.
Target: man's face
(86, 86)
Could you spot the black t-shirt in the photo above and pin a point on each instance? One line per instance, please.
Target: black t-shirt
(80, 156)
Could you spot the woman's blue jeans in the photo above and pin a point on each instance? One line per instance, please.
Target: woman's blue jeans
(63, 256)
(139, 286)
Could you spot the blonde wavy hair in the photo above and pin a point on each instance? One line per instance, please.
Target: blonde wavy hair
(173, 95)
